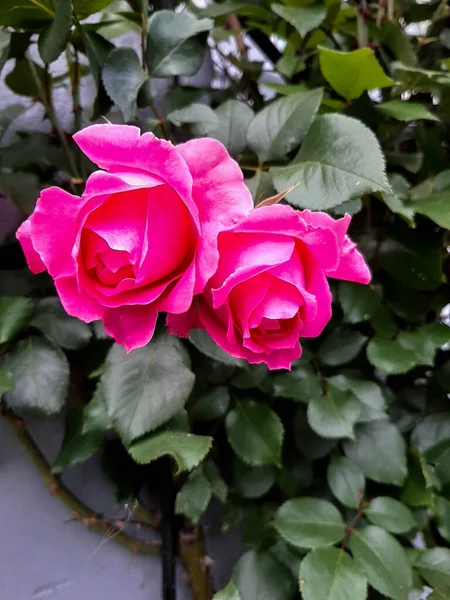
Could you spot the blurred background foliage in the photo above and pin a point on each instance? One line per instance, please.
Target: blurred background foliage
(338, 472)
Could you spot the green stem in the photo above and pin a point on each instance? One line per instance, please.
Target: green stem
(80, 511)
(45, 94)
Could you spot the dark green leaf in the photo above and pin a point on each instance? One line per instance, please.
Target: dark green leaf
(415, 264)
(22, 188)
(280, 127)
(95, 412)
(328, 574)
(21, 79)
(383, 561)
(295, 476)
(339, 158)
(334, 414)
(432, 435)
(389, 356)
(301, 384)
(123, 77)
(346, 481)
(145, 388)
(62, 329)
(434, 566)
(53, 39)
(259, 576)
(255, 433)
(253, 482)
(201, 116)
(84, 8)
(77, 446)
(340, 347)
(352, 73)
(176, 43)
(194, 497)
(358, 302)
(311, 445)
(390, 514)
(379, 450)
(211, 405)
(368, 393)
(218, 485)
(188, 450)
(203, 342)
(309, 523)
(40, 373)
(15, 313)
(435, 207)
(12, 12)
(303, 18)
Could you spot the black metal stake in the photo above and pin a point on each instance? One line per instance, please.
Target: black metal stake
(168, 531)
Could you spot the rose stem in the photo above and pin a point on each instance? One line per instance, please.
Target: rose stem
(80, 511)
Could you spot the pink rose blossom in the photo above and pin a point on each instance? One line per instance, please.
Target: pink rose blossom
(143, 236)
(271, 284)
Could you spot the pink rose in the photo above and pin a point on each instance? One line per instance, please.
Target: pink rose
(271, 285)
(143, 236)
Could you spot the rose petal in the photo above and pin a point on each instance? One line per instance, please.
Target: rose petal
(33, 259)
(77, 303)
(131, 326)
(317, 316)
(220, 194)
(352, 266)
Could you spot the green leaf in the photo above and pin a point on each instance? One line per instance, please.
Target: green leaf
(280, 127)
(15, 312)
(301, 384)
(53, 39)
(334, 414)
(390, 514)
(303, 18)
(295, 476)
(346, 481)
(255, 433)
(252, 482)
(21, 79)
(176, 43)
(194, 497)
(187, 449)
(77, 446)
(309, 522)
(259, 576)
(96, 413)
(434, 566)
(12, 12)
(203, 342)
(340, 347)
(145, 388)
(389, 356)
(432, 435)
(213, 404)
(383, 560)
(368, 393)
(22, 188)
(218, 485)
(415, 263)
(123, 77)
(419, 79)
(329, 574)
(234, 120)
(358, 302)
(416, 490)
(435, 207)
(339, 158)
(311, 445)
(352, 73)
(40, 372)
(405, 111)
(6, 382)
(425, 340)
(62, 329)
(84, 8)
(379, 450)
(97, 49)
(228, 593)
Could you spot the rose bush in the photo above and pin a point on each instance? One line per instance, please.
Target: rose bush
(271, 286)
(143, 236)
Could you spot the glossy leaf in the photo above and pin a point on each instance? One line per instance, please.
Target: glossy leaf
(259, 576)
(62, 329)
(341, 347)
(53, 39)
(434, 566)
(405, 111)
(193, 498)
(390, 514)
(334, 413)
(77, 446)
(15, 313)
(346, 481)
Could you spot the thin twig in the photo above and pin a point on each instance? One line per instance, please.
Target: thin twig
(79, 510)
(161, 121)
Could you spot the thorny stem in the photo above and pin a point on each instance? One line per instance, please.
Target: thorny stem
(80, 511)
(196, 563)
(45, 94)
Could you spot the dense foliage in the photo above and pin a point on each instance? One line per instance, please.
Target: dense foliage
(339, 469)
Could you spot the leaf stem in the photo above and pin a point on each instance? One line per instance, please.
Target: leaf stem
(196, 563)
(80, 511)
